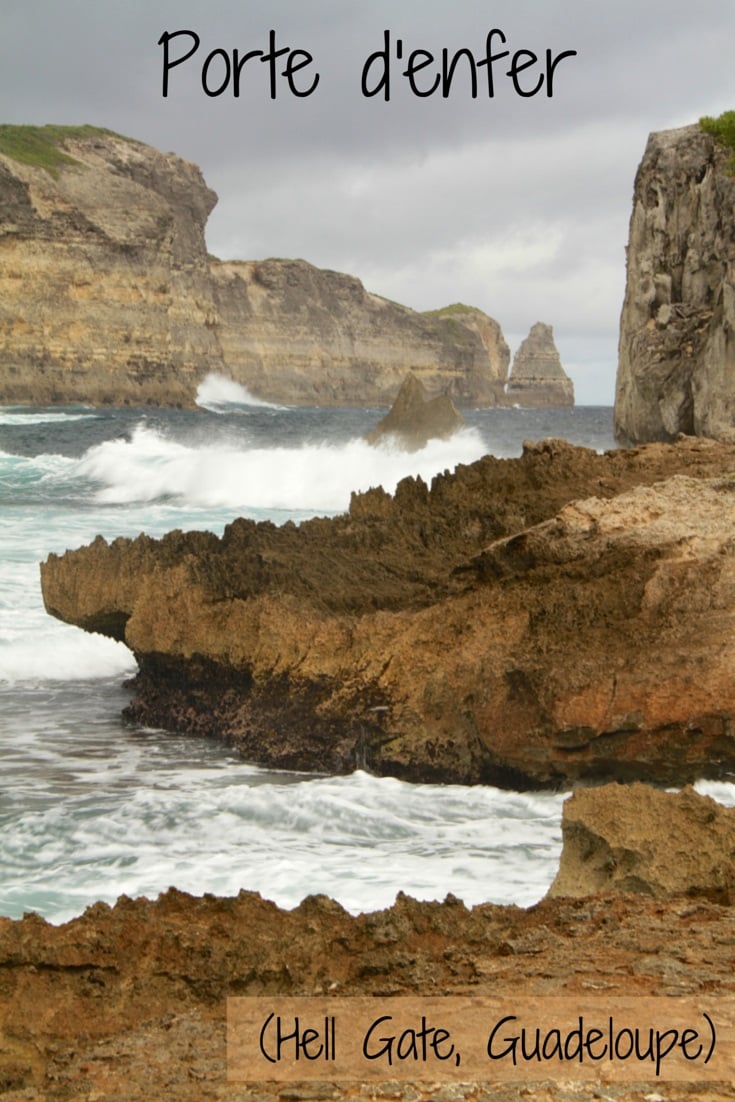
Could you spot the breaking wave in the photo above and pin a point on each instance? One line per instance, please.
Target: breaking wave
(309, 478)
(220, 394)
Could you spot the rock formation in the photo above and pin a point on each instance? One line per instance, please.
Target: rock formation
(640, 839)
(414, 418)
(676, 369)
(537, 377)
(130, 1001)
(107, 296)
(502, 626)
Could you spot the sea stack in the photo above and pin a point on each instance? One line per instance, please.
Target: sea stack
(676, 369)
(414, 418)
(537, 377)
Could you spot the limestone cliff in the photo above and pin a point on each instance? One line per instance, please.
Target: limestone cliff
(501, 626)
(537, 377)
(297, 334)
(105, 292)
(107, 296)
(676, 369)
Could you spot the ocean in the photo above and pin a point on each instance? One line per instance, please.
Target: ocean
(92, 807)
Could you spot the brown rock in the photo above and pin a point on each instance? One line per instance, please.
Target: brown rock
(537, 377)
(449, 633)
(677, 328)
(639, 839)
(130, 1001)
(414, 418)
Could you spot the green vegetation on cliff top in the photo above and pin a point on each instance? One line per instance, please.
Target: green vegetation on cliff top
(722, 130)
(41, 146)
(455, 308)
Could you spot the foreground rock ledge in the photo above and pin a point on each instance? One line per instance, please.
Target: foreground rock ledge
(129, 1001)
(526, 623)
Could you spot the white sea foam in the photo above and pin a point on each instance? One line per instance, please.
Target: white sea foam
(219, 394)
(222, 827)
(46, 416)
(312, 477)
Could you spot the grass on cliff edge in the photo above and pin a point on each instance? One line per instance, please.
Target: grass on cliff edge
(40, 146)
(722, 130)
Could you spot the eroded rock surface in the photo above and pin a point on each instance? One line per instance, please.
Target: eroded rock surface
(130, 1001)
(676, 370)
(414, 418)
(537, 377)
(635, 838)
(501, 626)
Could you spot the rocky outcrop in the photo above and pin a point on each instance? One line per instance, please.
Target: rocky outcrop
(414, 418)
(640, 839)
(107, 296)
(537, 377)
(501, 626)
(130, 1001)
(676, 369)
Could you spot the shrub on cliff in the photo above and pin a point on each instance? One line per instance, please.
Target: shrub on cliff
(722, 130)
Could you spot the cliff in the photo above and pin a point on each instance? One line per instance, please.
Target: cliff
(107, 296)
(105, 292)
(537, 377)
(297, 334)
(525, 623)
(676, 369)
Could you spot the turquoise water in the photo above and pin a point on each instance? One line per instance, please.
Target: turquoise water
(91, 808)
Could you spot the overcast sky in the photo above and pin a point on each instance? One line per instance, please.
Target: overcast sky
(516, 204)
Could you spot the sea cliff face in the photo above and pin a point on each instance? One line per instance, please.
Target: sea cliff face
(526, 623)
(676, 368)
(105, 293)
(107, 296)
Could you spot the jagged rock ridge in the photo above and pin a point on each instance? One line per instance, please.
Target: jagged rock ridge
(537, 377)
(502, 626)
(107, 295)
(676, 370)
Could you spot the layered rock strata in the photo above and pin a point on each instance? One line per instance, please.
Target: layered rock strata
(537, 377)
(299, 335)
(501, 626)
(676, 370)
(635, 838)
(108, 296)
(415, 418)
(105, 291)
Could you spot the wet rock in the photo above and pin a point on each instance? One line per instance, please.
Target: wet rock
(501, 626)
(414, 418)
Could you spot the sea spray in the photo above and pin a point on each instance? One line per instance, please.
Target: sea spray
(233, 474)
(220, 394)
(90, 807)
